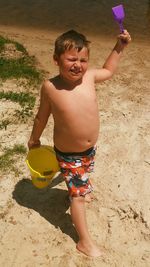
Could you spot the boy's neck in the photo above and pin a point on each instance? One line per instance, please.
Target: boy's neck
(69, 85)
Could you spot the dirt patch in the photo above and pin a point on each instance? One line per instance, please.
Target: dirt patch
(10, 52)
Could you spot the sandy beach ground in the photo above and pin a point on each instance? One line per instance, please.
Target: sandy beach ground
(35, 225)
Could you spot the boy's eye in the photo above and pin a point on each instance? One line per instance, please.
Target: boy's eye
(72, 59)
(84, 60)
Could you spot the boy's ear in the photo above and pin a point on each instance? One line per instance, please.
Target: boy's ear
(55, 58)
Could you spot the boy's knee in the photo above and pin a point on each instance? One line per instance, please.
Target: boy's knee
(78, 199)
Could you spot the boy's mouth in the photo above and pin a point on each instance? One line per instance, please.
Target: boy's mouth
(75, 71)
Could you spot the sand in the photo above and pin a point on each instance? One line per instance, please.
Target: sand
(35, 225)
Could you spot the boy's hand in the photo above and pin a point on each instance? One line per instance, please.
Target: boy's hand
(124, 38)
(32, 144)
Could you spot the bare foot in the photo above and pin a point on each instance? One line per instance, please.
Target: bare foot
(90, 249)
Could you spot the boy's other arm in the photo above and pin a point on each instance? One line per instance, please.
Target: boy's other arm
(41, 118)
(113, 59)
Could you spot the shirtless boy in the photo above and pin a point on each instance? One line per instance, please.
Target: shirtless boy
(71, 99)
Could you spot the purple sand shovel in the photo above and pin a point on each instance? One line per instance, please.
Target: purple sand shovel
(118, 13)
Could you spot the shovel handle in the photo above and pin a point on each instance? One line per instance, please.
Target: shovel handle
(121, 27)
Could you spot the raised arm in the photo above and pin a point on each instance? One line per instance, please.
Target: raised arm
(41, 118)
(113, 59)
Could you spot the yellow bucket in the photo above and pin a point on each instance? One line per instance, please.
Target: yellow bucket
(42, 164)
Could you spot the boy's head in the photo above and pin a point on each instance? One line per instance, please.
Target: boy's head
(69, 40)
(71, 55)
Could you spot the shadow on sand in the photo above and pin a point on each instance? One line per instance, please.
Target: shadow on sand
(51, 203)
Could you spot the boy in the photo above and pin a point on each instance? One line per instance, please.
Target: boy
(71, 98)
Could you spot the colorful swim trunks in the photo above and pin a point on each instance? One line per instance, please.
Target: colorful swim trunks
(75, 168)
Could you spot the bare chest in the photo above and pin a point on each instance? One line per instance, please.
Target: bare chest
(78, 101)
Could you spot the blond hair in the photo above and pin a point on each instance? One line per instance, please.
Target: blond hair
(68, 40)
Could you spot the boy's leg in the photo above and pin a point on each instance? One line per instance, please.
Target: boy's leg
(78, 214)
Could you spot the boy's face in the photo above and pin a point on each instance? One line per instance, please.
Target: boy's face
(73, 64)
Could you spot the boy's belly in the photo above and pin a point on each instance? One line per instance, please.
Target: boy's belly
(74, 138)
(76, 122)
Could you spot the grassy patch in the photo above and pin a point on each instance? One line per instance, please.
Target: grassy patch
(22, 98)
(4, 124)
(7, 159)
(18, 68)
(26, 101)
(18, 46)
(23, 67)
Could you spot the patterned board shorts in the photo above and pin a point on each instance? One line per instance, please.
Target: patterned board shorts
(75, 168)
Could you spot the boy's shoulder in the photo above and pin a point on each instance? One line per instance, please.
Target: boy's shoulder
(46, 87)
(48, 83)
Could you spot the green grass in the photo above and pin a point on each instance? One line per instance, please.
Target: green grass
(7, 159)
(17, 149)
(4, 124)
(23, 67)
(26, 101)
(22, 98)
(18, 68)
(18, 46)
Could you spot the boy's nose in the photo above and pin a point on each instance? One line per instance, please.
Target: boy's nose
(78, 64)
